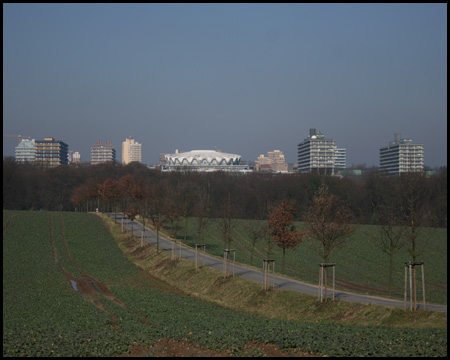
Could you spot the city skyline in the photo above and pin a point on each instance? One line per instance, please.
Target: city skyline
(411, 153)
(243, 78)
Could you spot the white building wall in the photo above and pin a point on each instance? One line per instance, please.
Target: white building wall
(402, 156)
(26, 151)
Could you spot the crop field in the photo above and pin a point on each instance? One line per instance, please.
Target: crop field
(361, 266)
(69, 291)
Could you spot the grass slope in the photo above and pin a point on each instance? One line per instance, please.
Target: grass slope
(241, 294)
(361, 267)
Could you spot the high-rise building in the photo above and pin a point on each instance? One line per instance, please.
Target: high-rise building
(102, 153)
(340, 158)
(26, 151)
(400, 156)
(275, 161)
(51, 152)
(76, 157)
(316, 154)
(70, 156)
(131, 151)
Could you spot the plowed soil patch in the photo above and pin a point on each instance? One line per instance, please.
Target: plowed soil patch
(180, 348)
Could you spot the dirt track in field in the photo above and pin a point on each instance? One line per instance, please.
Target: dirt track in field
(88, 286)
(9, 222)
(92, 289)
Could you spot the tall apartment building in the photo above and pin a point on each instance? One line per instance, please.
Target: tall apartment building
(51, 152)
(401, 155)
(26, 151)
(102, 153)
(316, 154)
(131, 151)
(275, 159)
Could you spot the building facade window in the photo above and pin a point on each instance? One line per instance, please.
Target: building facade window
(401, 156)
(317, 154)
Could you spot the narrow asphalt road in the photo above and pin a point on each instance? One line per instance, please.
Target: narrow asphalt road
(257, 275)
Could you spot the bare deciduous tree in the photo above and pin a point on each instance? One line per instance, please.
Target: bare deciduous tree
(156, 192)
(256, 231)
(389, 236)
(415, 215)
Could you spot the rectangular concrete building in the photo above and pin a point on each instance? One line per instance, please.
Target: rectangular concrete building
(102, 153)
(316, 154)
(51, 152)
(401, 155)
(131, 151)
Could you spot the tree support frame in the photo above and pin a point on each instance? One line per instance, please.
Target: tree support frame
(321, 274)
(266, 270)
(411, 266)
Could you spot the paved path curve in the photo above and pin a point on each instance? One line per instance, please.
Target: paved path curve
(257, 275)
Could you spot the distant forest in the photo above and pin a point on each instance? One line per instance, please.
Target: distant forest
(368, 197)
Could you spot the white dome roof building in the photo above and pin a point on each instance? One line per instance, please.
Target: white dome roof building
(203, 160)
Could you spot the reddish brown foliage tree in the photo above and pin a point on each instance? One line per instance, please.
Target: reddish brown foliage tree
(92, 193)
(139, 194)
(132, 212)
(110, 191)
(282, 228)
(327, 222)
(126, 187)
(79, 195)
(156, 193)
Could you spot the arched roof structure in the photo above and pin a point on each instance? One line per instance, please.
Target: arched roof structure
(203, 160)
(202, 157)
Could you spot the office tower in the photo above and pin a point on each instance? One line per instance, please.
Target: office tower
(316, 154)
(26, 151)
(400, 156)
(131, 151)
(51, 152)
(102, 153)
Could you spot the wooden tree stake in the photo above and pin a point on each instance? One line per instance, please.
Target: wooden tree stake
(226, 261)
(411, 266)
(266, 270)
(321, 275)
(197, 255)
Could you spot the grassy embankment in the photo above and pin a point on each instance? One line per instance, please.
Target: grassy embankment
(246, 296)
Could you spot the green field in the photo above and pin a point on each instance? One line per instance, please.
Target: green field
(44, 316)
(361, 266)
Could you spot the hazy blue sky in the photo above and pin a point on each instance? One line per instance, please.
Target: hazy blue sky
(243, 78)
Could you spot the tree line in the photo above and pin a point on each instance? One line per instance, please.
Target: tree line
(375, 198)
(400, 205)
